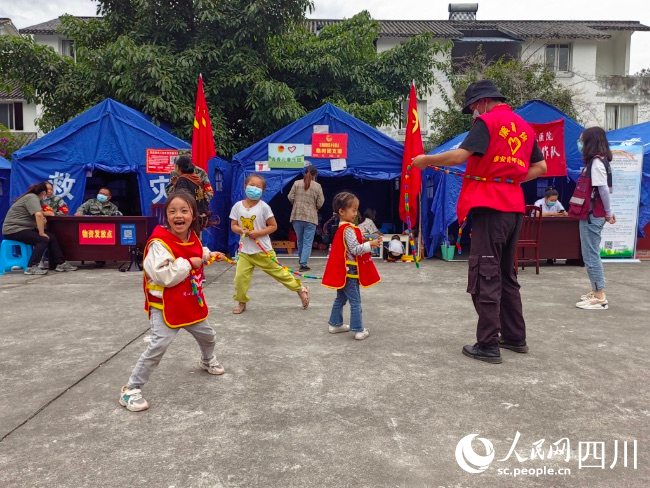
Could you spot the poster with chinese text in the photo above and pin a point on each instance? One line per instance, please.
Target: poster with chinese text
(286, 155)
(332, 146)
(161, 161)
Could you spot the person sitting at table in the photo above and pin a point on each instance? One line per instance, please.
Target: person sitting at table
(25, 223)
(368, 228)
(52, 204)
(100, 206)
(551, 206)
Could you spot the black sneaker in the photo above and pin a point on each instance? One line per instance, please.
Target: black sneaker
(487, 354)
(304, 268)
(513, 346)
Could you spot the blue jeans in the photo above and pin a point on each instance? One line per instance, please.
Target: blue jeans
(590, 231)
(305, 232)
(350, 292)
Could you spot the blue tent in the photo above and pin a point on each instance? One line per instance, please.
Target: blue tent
(220, 173)
(109, 137)
(639, 132)
(372, 155)
(5, 202)
(444, 189)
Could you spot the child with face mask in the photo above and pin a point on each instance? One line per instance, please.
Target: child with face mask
(551, 206)
(253, 219)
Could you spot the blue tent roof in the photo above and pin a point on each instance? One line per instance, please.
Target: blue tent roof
(110, 137)
(372, 155)
(639, 132)
(447, 187)
(4, 164)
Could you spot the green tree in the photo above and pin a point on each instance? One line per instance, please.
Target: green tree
(261, 68)
(10, 142)
(518, 81)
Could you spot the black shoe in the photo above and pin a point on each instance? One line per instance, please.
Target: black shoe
(520, 346)
(304, 268)
(487, 354)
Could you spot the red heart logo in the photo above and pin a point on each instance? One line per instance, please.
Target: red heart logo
(291, 148)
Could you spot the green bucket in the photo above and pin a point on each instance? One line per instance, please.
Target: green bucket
(447, 252)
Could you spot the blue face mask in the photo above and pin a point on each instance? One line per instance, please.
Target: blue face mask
(102, 198)
(580, 146)
(253, 192)
(550, 204)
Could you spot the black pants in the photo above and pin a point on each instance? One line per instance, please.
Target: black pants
(491, 278)
(40, 244)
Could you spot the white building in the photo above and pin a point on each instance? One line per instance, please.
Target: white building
(591, 57)
(15, 113)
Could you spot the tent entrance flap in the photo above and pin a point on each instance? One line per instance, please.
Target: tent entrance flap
(123, 186)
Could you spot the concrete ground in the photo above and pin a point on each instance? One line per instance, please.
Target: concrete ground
(299, 407)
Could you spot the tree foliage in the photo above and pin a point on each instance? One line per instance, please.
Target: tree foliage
(517, 81)
(261, 68)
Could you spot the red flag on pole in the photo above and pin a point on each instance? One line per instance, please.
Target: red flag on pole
(202, 140)
(411, 180)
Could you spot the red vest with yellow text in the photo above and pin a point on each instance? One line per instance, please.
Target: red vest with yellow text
(180, 307)
(507, 157)
(336, 269)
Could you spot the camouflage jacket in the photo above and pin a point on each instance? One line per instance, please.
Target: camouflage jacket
(55, 204)
(95, 207)
(208, 192)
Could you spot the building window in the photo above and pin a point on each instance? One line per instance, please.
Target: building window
(618, 116)
(422, 116)
(218, 180)
(67, 49)
(7, 116)
(558, 57)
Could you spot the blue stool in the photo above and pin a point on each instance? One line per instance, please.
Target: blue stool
(14, 253)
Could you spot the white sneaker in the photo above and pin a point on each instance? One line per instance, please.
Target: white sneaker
(42, 264)
(340, 328)
(588, 296)
(359, 336)
(131, 398)
(35, 270)
(65, 267)
(212, 366)
(593, 303)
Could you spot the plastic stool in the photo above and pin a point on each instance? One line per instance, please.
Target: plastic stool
(9, 257)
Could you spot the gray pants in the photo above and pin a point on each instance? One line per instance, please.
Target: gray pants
(161, 337)
(590, 231)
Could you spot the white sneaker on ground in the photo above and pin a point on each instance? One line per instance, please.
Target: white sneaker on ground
(359, 336)
(340, 328)
(212, 366)
(35, 270)
(588, 296)
(593, 303)
(65, 267)
(131, 398)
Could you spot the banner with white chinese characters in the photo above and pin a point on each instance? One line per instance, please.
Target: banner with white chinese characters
(550, 139)
(619, 240)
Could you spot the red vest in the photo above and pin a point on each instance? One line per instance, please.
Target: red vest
(587, 198)
(336, 269)
(179, 306)
(507, 157)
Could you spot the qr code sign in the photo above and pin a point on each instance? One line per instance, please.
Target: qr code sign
(609, 244)
(128, 234)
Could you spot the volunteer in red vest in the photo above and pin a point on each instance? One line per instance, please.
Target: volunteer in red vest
(499, 145)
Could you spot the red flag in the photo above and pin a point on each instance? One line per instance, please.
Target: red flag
(202, 140)
(411, 182)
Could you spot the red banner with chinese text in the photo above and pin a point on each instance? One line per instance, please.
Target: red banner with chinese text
(550, 138)
(95, 234)
(332, 146)
(161, 161)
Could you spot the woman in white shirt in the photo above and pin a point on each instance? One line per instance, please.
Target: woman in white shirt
(551, 206)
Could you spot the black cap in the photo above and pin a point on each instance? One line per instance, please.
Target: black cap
(478, 90)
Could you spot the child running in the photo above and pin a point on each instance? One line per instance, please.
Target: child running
(173, 262)
(349, 265)
(253, 219)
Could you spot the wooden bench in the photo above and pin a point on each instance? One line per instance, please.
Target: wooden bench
(288, 246)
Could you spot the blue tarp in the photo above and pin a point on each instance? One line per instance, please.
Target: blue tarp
(372, 155)
(5, 202)
(110, 137)
(639, 132)
(442, 207)
(220, 173)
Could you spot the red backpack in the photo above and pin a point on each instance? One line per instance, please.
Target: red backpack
(586, 197)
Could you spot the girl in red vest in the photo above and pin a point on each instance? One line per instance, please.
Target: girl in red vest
(173, 276)
(349, 265)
